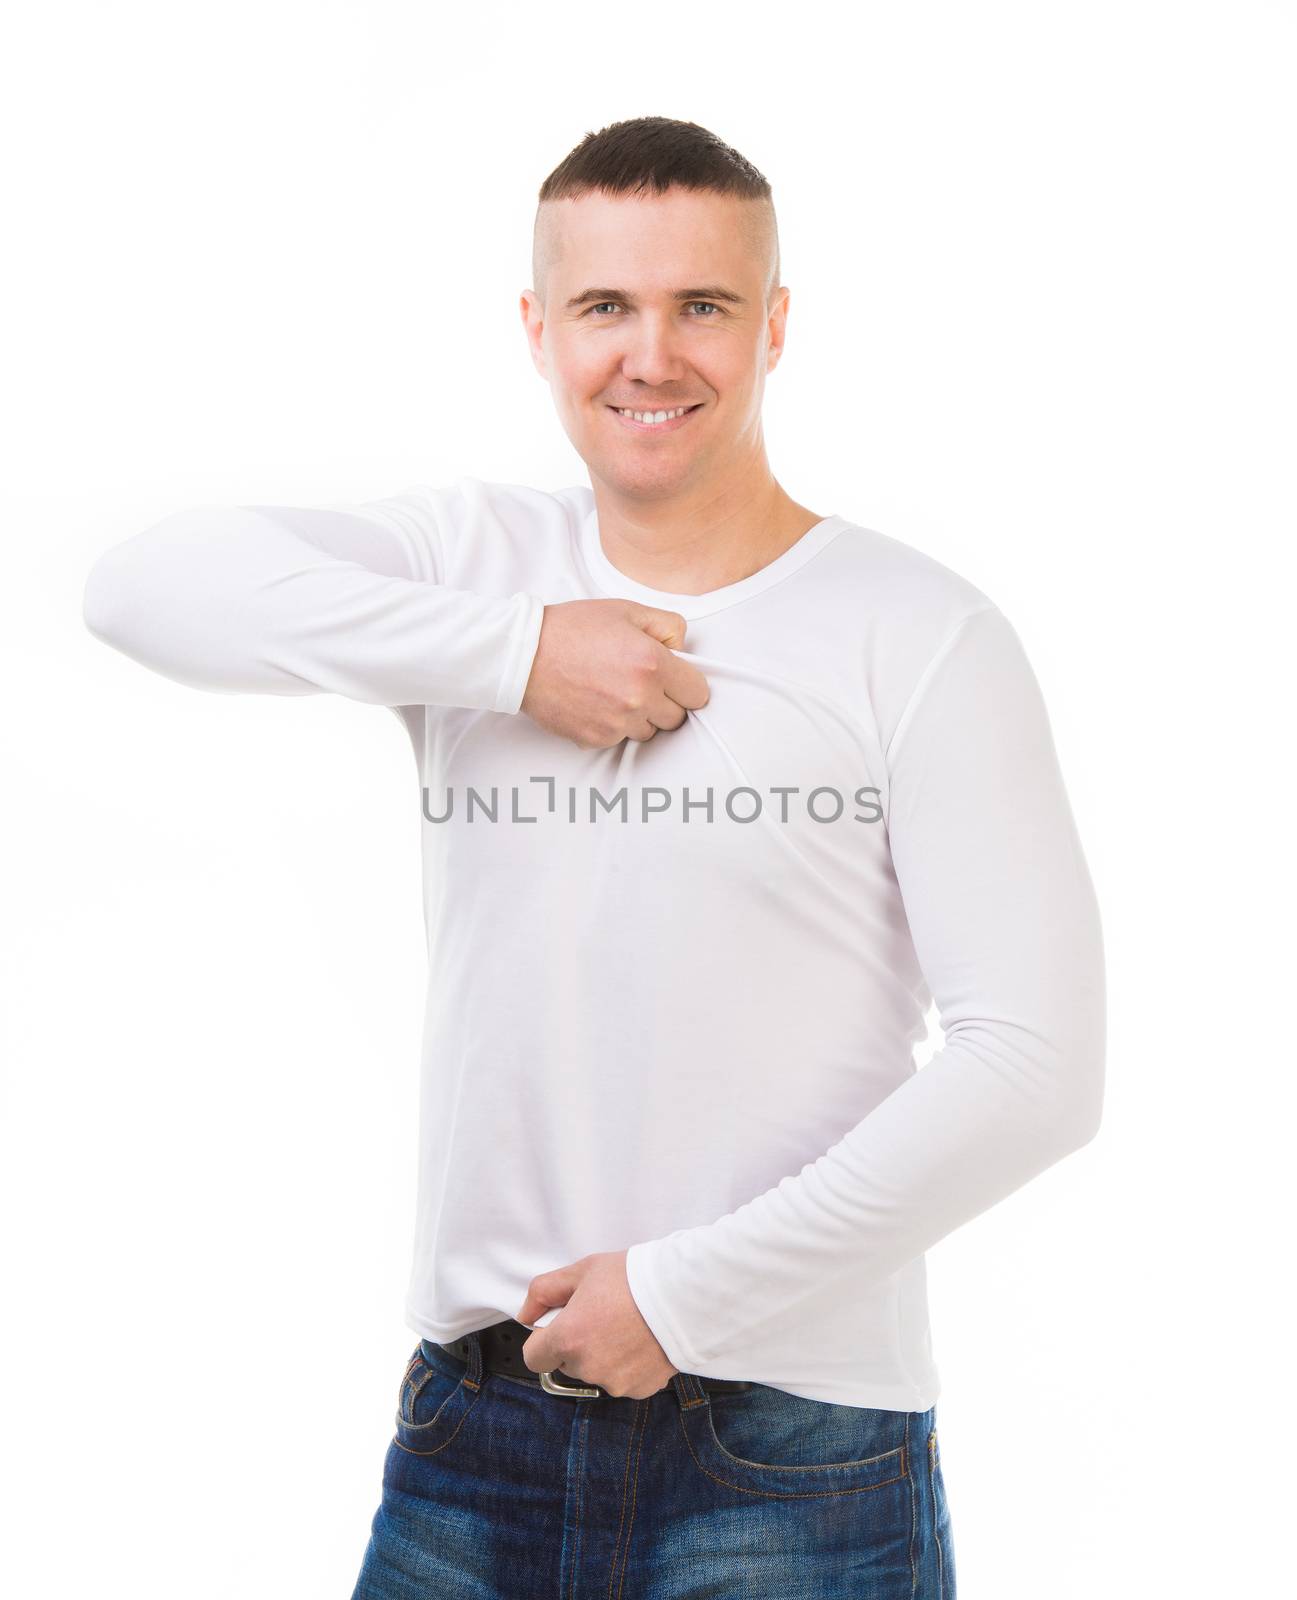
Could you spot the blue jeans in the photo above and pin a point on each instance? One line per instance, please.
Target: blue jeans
(494, 1489)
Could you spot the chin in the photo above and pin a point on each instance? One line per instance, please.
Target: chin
(650, 478)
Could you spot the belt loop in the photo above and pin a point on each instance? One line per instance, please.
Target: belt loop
(473, 1377)
(688, 1390)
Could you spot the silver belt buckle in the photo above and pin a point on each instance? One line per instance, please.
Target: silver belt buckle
(550, 1387)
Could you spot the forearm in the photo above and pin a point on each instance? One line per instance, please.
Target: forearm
(239, 599)
(988, 1113)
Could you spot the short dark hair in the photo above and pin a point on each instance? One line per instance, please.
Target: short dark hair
(650, 155)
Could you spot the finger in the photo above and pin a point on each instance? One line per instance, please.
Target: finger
(535, 1353)
(683, 682)
(664, 713)
(667, 627)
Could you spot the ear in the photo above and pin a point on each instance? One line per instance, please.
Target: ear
(777, 325)
(533, 321)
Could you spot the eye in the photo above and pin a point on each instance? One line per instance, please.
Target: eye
(599, 306)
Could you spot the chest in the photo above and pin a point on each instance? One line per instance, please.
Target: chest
(772, 792)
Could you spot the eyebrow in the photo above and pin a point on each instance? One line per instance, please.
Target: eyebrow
(712, 292)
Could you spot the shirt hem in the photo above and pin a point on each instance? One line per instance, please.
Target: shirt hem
(876, 1396)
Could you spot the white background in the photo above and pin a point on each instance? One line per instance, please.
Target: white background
(1041, 327)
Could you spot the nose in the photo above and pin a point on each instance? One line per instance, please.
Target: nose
(650, 354)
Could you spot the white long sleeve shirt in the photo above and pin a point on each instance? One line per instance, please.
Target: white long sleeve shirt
(675, 987)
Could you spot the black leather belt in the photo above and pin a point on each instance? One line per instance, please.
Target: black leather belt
(501, 1345)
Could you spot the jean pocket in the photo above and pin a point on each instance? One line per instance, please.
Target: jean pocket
(773, 1442)
(435, 1398)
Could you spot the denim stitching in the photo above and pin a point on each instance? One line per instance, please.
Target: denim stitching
(411, 1426)
(403, 1394)
(813, 1466)
(936, 1526)
(583, 1427)
(638, 1424)
(914, 1516)
(396, 1441)
(796, 1494)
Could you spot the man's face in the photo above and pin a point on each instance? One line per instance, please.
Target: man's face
(636, 317)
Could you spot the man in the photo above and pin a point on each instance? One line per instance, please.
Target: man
(719, 793)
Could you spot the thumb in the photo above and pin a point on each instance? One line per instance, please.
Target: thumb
(546, 1291)
(667, 627)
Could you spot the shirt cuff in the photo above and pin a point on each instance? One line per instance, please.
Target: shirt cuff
(643, 1282)
(521, 653)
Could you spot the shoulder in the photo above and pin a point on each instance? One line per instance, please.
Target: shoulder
(912, 618)
(470, 524)
(898, 581)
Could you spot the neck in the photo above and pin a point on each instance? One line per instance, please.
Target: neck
(701, 541)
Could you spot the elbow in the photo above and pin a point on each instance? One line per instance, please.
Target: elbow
(148, 595)
(1076, 1105)
(1072, 1069)
(1080, 1126)
(102, 606)
(1051, 1080)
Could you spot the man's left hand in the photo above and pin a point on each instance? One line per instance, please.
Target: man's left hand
(600, 1336)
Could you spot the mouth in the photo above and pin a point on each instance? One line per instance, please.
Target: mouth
(672, 418)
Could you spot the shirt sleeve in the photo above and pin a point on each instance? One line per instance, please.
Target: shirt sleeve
(1006, 930)
(297, 600)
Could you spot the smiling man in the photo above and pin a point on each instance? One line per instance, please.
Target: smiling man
(719, 794)
(655, 319)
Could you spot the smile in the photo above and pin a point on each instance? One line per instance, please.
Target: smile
(656, 421)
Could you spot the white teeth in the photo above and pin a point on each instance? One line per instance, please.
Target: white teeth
(652, 416)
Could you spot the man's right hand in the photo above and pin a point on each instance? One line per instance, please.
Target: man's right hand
(604, 672)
